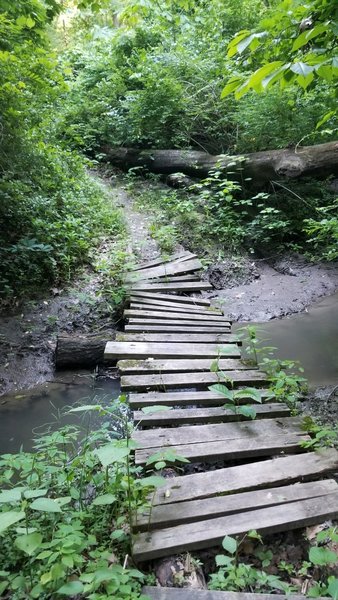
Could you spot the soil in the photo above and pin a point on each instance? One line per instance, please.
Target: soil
(264, 289)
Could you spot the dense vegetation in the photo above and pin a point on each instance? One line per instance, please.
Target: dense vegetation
(51, 212)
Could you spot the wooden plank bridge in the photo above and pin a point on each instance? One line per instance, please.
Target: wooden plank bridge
(261, 477)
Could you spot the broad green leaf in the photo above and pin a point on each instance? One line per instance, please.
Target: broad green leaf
(230, 87)
(46, 505)
(30, 23)
(29, 543)
(86, 408)
(104, 500)
(229, 544)
(110, 453)
(152, 481)
(29, 494)
(222, 389)
(7, 519)
(304, 82)
(255, 80)
(12, 495)
(104, 574)
(333, 588)
(247, 411)
(63, 500)
(148, 410)
(72, 588)
(223, 561)
(301, 68)
(250, 394)
(308, 35)
(319, 555)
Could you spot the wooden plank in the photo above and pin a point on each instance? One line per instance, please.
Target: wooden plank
(196, 434)
(167, 269)
(202, 326)
(167, 306)
(240, 448)
(198, 510)
(160, 593)
(277, 471)
(171, 298)
(206, 534)
(204, 398)
(133, 367)
(189, 380)
(139, 349)
(181, 286)
(173, 278)
(180, 338)
(185, 416)
(185, 255)
(176, 316)
(173, 328)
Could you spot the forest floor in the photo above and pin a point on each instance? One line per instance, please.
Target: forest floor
(248, 289)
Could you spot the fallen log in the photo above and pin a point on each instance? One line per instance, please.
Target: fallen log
(318, 161)
(81, 351)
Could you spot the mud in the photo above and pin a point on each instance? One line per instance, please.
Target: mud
(263, 289)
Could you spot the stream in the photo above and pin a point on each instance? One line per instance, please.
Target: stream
(310, 337)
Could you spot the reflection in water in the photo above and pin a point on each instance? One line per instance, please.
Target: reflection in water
(44, 408)
(310, 337)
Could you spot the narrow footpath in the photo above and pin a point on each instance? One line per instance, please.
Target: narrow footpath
(264, 479)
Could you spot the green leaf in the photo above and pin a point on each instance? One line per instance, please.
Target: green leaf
(45, 505)
(29, 543)
(110, 453)
(322, 556)
(301, 68)
(247, 411)
(86, 408)
(229, 544)
(249, 393)
(222, 389)
(333, 588)
(230, 87)
(12, 495)
(104, 500)
(325, 118)
(30, 23)
(72, 588)
(152, 481)
(223, 561)
(308, 35)
(304, 82)
(7, 519)
(29, 494)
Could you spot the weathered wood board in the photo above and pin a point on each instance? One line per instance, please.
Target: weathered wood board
(181, 286)
(177, 338)
(277, 471)
(241, 448)
(172, 298)
(142, 349)
(194, 434)
(183, 416)
(165, 306)
(133, 367)
(161, 328)
(203, 326)
(189, 380)
(186, 398)
(178, 256)
(206, 534)
(167, 269)
(198, 510)
(175, 316)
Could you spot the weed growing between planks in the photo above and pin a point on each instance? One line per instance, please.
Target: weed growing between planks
(316, 575)
(66, 513)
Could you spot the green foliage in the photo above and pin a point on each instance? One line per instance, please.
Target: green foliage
(321, 436)
(66, 512)
(233, 575)
(295, 45)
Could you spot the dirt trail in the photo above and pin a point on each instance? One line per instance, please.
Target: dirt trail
(249, 290)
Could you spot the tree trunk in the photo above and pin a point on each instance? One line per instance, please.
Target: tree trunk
(81, 351)
(318, 161)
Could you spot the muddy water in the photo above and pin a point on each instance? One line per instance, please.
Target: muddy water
(44, 408)
(310, 337)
